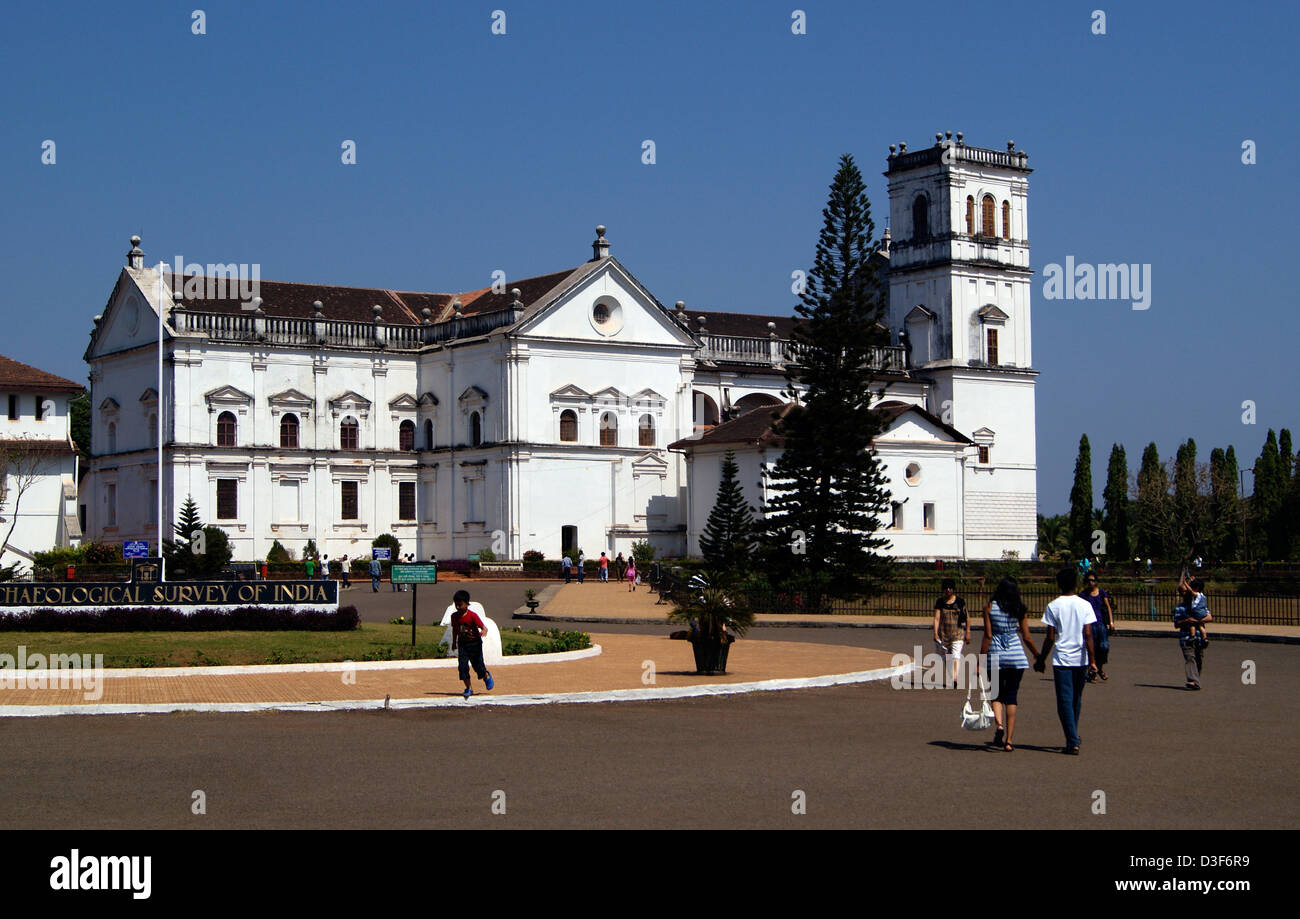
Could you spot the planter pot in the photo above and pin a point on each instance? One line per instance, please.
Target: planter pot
(532, 605)
(710, 655)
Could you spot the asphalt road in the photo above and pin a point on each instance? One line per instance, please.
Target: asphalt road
(867, 756)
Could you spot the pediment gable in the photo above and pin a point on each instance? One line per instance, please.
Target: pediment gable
(228, 395)
(130, 317)
(609, 394)
(149, 395)
(919, 314)
(290, 397)
(983, 435)
(632, 314)
(570, 392)
(428, 399)
(109, 406)
(991, 313)
(350, 399)
(649, 464)
(404, 402)
(648, 396)
(473, 394)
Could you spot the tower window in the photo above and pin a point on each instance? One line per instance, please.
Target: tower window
(40, 409)
(970, 215)
(984, 455)
(428, 434)
(569, 426)
(646, 431)
(927, 516)
(1006, 219)
(348, 494)
(992, 339)
(475, 429)
(898, 516)
(225, 430)
(405, 500)
(227, 499)
(986, 213)
(608, 430)
(13, 407)
(406, 436)
(289, 432)
(349, 434)
(153, 430)
(921, 217)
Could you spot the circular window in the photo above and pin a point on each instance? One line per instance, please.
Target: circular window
(606, 316)
(913, 474)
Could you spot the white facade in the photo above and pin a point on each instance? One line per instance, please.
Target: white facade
(540, 418)
(36, 437)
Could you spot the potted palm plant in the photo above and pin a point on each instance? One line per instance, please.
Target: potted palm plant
(716, 617)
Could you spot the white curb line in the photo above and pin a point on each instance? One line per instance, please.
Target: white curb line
(613, 695)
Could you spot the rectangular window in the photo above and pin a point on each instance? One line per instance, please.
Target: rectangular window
(40, 409)
(993, 347)
(984, 454)
(927, 516)
(405, 500)
(898, 516)
(350, 500)
(227, 499)
(111, 499)
(13, 407)
(289, 500)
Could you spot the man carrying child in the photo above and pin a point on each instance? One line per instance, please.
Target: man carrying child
(1190, 617)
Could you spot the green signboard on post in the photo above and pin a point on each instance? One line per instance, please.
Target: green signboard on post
(415, 574)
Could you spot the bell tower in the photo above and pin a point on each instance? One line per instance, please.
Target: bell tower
(959, 295)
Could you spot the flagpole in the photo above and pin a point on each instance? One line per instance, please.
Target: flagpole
(159, 435)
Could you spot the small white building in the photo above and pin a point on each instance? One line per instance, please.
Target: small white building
(38, 463)
(538, 413)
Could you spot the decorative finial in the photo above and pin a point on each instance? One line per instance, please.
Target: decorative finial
(378, 311)
(517, 296)
(892, 148)
(681, 306)
(318, 309)
(938, 137)
(600, 248)
(947, 135)
(257, 305)
(1011, 146)
(135, 258)
(959, 137)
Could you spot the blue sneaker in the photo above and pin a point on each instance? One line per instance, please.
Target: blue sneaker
(468, 692)
(490, 682)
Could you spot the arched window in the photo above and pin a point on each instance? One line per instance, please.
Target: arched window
(153, 430)
(428, 434)
(349, 434)
(475, 429)
(289, 432)
(112, 437)
(569, 426)
(645, 431)
(225, 430)
(406, 435)
(970, 215)
(1006, 219)
(608, 430)
(921, 217)
(986, 213)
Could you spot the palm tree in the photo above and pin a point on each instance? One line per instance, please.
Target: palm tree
(1052, 536)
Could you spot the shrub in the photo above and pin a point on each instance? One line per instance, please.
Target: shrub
(58, 557)
(309, 550)
(278, 554)
(486, 554)
(388, 541)
(643, 553)
(532, 555)
(98, 553)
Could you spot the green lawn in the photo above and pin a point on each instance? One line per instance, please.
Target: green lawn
(369, 642)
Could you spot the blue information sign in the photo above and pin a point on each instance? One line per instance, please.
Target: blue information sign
(385, 554)
(135, 548)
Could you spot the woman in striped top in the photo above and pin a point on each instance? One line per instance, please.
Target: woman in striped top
(1004, 630)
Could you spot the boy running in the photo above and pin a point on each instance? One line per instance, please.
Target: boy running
(467, 632)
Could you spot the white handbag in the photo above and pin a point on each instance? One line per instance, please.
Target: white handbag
(980, 720)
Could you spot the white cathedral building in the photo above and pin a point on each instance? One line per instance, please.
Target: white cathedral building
(572, 409)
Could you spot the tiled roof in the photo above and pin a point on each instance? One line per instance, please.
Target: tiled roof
(15, 375)
(741, 325)
(753, 427)
(356, 304)
(34, 446)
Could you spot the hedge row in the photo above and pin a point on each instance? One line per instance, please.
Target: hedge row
(152, 619)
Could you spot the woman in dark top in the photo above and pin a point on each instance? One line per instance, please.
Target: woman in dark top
(951, 626)
(1100, 601)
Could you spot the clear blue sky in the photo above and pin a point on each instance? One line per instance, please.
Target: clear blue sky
(478, 151)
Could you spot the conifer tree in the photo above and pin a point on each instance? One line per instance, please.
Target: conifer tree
(1081, 502)
(728, 539)
(827, 492)
(1267, 500)
(1225, 512)
(1152, 504)
(1115, 497)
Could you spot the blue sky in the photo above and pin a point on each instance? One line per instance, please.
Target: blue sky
(478, 151)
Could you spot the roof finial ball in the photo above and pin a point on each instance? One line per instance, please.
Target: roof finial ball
(378, 311)
(516, 295)
(257, 305)
(318, 309)
(600, 248)
(135, 258)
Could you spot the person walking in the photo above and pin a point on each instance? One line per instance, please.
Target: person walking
(582, 565)
(951, 627)
(620, 566)
(309, 564)
(1069, 620)
(376, 570)
(566, 566)
(630, 574)
(467, 634)
(324, 567)
(1189, 618)
(345, 573)
(1005, 628)
(1099, 599)
(604, 568)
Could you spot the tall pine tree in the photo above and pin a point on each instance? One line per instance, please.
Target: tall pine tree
(1225, 512)
(1188, 519)
(727, 542)
(1115, 497)
(828, 492)
(1267, 500)
(1081, 502)
(1153, 501)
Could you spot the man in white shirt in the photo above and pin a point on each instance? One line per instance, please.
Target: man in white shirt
(1069, 620)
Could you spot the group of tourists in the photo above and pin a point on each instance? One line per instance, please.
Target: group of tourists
(624, 569)
(1079, 625)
